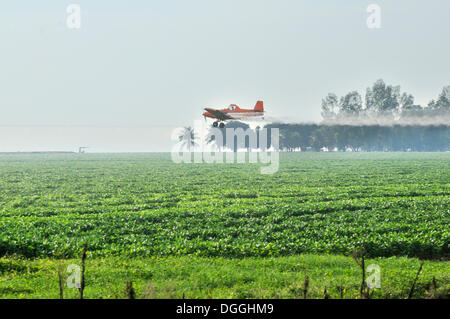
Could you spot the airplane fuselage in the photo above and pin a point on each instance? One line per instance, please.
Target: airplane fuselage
(234, 112)
(238, 115)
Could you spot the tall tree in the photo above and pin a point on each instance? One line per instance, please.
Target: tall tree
(351, 104)
(442, 104)
(188, 138)
(406, 101)
(330, 106)
(383, 99)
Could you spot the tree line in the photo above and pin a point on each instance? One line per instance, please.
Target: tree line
(324, 137)
(338, 137)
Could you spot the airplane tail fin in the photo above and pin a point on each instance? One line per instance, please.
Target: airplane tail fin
(259, 106)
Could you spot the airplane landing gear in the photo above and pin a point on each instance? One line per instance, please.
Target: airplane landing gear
(219, 124)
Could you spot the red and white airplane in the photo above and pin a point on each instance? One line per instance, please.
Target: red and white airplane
(233, 112)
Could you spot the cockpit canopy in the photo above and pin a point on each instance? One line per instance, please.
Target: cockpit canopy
(232, 107)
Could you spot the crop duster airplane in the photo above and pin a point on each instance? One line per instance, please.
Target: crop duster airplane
(233, 112)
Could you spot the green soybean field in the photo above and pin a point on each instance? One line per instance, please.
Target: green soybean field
(224, 230)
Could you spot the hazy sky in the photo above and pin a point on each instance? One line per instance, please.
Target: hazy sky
(137, 69)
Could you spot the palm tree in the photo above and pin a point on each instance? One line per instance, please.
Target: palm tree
(187, 137)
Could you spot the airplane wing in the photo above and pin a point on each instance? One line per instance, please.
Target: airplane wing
(219, 115)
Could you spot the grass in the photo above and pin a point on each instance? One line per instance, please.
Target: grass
(203, 277)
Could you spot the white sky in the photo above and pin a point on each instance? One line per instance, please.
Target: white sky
(137, 69)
